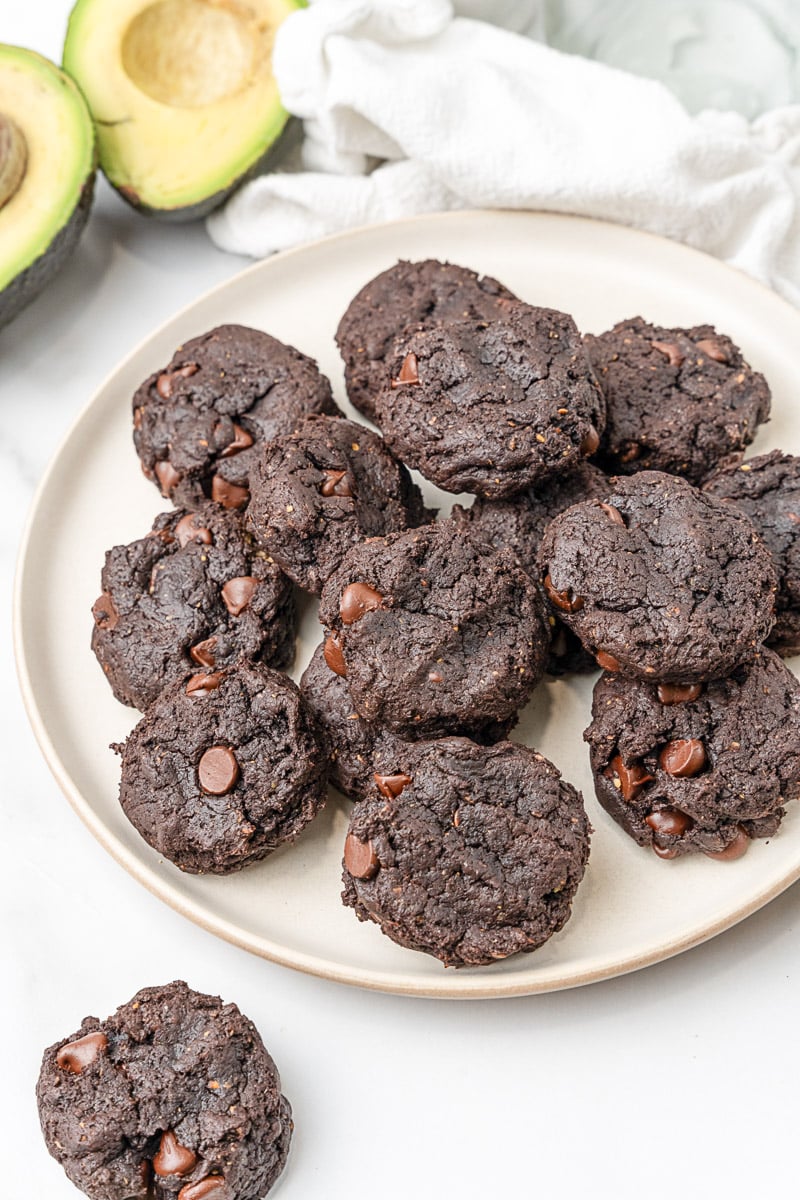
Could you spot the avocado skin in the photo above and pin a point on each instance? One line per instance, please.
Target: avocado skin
(290, 137)
(34, 279)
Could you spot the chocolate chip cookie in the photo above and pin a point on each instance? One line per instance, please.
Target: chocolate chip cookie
(660, 581)
(173, 1097)
(466, 852)
(698, 767)
(767, 489)
(492, 407)
(195, 592)
(679, 400)
(420, 293)
(198, 423)
(435, 631)
(223, 769)
(350, 742)
(322, 489)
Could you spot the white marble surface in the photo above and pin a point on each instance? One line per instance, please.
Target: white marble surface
(678, 1078)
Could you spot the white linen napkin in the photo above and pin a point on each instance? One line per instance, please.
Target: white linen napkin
(459, 113)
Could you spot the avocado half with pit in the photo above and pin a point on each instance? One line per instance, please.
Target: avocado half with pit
(182, 94)
(47, 170)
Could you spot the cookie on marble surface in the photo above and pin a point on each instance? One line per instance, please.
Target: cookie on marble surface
(408, 294)
(466, 852)
(435, 630)
(322, 489)
(173, 1097)
(678, 400)
(661, 581)
(223, 769)
(700, 767)
(195, 592)
(492, 407)
(767, 489)
(198, 423)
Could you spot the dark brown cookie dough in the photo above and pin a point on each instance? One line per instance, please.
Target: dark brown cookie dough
(195, 592)
(435, 630)
(199, 422)
(492, 407)
(223, 769)
(466, 852)
(350, 742)
(172, 1092)
(767, 489)
(322, 489)
(698, 768)
(661, 581)
(419, 293)
(679, 400)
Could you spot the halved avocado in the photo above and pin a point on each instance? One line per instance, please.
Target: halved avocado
(47, 170)
(182, 94)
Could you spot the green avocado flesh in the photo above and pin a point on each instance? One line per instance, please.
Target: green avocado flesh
(182, 94)
(47, 168)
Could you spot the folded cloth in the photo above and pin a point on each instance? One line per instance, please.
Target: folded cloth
(460, 113)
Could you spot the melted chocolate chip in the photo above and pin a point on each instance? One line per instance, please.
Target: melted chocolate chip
(671, 350)
(360, 858)
(669, 821)
(186, 531)
(202, 684)
(229, 495)
(357, 599)
(607, 661)
(613, 514)
(713, 350)
(168, 478)
(166, 380)
(78, 1055)
(665, 851)
(590, 442)
(201, 1189)
(632, 777)
(241, 441)
(336, 484)
(237, 593)
(683, 758)
(678, 693)
(104, 613)
(332, 653)
(734, 849)
(205, 653)
(391, 786)
(567, 601)
(218, 770)
(409, 372)
(172, 1158)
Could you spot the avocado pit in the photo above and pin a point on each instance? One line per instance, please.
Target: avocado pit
(13, 158)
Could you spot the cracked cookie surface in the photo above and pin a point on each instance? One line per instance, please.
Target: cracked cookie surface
(223, 769)
(465, 852)
(173, 1091)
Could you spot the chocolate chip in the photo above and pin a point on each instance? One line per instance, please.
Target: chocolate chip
(629, 452)
(217, 770)
(567, 601)
(360, 858)
(172, 1158)
(336, 484)
(672, 350)
(202, 684)
(229, 495)
(205, 653)
(241, 441)
(632, 777)
(165, 381)
(669, 821)
(201, 1189)
(734, 849)
(607, 661)
(590, 442)
(409, 372)
(683, 758)
(678, 693)
(716, 351)
(665, 851)
(138, 417)
(332, 653)
(613, 514)
(391, 786)
(186, 531)
(357, 599)
(78, 1055)
(104, 613)
(168, 478)
(238, 592)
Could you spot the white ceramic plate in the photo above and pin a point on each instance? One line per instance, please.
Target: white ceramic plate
(632, 909)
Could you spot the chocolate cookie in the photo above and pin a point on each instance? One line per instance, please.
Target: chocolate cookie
(195, 592)
(679, 400)
(420, 293)
(324, 488)
(492, 407)
(466, 852)
(767, 489)
(350, 742)
(199, 422)
(174, 1096)
(434, 630)
(223, 769)
(660, 581)
(702, 767)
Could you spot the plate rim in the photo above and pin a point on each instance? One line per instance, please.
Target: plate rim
(472, 986)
